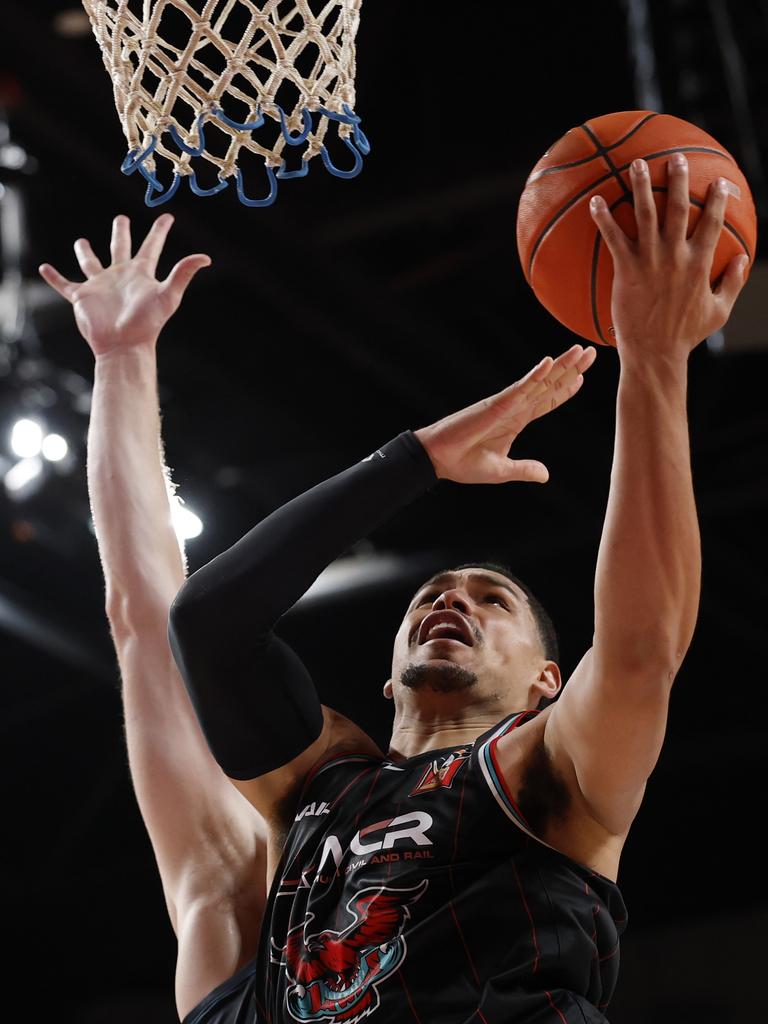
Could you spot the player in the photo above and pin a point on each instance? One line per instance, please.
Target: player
(484, 890)
(209, 842)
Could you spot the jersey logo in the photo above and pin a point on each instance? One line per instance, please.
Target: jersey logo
(333, 976)
(373, 455)
(314, 808)
(441, 772)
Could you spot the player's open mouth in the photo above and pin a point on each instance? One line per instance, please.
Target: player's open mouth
(445, 625)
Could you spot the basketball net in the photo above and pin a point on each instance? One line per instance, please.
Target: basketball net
(210, 80)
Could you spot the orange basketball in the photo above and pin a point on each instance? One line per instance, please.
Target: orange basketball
(563, 255)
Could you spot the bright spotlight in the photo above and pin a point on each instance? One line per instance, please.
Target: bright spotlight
(26, 439)
(186, 524)
(54, 447)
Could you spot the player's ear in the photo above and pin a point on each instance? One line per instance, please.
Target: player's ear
(388, 689)
(549, 681)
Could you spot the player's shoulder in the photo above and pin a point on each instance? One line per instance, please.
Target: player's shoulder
(348, 744)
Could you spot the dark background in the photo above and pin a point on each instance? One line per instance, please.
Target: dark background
(329, 322)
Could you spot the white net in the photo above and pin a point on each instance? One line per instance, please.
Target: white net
(199, 85)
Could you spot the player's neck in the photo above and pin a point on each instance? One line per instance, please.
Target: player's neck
(413, 735)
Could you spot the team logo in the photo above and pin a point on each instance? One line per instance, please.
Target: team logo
(441, 772)
(333, 976)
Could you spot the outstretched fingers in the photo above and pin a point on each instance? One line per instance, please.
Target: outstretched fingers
(152, 246)
(57, 281)
(710, 226)
(522, 470)
(545, 382)
(120, 245)
(562, 383)
(732, 281)
(90, 264)
(542, 389)
(177, 281)
(617, 242)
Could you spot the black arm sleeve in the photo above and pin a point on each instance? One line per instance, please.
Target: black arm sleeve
(255, 700)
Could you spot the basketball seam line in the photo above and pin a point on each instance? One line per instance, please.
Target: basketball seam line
(605, 177)
(596, 249)
(603, 152)
(586, 159)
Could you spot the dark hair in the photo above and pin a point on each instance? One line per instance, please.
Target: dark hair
(544, 624)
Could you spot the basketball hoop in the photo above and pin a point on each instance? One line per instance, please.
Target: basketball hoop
(198, 84)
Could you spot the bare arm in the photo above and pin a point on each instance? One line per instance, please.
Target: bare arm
(610, 721)
(208, 841)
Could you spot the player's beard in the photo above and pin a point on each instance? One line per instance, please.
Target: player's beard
(444, 677)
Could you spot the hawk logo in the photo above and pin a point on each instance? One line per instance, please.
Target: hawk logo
(441, 772)
(334, 976)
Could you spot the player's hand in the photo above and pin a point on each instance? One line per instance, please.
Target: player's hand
(662, 301)
(472, 446)
(123, 305)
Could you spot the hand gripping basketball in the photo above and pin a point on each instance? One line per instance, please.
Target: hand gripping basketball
(662, 300)
(124, 305)
(472, 446)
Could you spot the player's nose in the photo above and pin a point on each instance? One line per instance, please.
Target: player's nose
(455, 599)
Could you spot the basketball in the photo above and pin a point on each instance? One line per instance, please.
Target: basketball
(563, 256)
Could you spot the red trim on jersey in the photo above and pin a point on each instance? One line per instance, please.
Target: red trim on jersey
(503, 781)
(408, 994)
(549, 997)
(608, 956)
(463, 942)
(530, 918)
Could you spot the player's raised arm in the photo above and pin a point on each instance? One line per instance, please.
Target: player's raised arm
(209, 843)
(610, 720)
(255, 700)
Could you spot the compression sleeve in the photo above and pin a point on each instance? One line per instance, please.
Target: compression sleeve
(254, 698)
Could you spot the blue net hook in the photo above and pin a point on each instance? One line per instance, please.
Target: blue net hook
(301, 173)
(349, 118)
(248, 126)
(223, 183)
(335, 170)
(362, 142)
(257, 202)
(135, 159)
(164, 196)
(295, 140)
(182, 144)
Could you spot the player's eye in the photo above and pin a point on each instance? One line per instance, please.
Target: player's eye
(495, 599)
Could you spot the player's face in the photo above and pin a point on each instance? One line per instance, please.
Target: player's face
(467, 629)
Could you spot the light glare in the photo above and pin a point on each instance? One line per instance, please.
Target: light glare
(26, 439)
(186, 524)
(19, 476)
(54, 447)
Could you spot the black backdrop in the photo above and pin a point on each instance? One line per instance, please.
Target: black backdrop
(328, 323)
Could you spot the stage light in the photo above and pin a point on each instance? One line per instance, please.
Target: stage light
(54, 447)
(186, 524)
(26, 439)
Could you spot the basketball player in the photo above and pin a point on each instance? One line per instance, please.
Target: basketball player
(469, 873)
(208, 840)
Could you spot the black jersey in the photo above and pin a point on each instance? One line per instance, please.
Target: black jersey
(417, 892)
